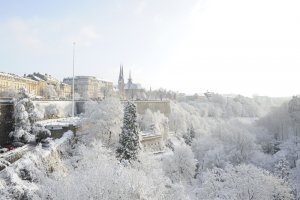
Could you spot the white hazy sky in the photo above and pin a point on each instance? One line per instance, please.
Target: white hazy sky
(232, 46)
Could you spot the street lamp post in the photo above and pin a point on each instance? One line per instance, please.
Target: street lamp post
(73, 89)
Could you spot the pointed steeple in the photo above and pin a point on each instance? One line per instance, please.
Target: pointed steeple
(121, 83)
(121, 72)
(130, 79)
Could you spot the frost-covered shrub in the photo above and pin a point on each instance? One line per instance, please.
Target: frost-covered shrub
(40, 133)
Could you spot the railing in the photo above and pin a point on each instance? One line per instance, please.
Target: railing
(6, 100)
(12, 156)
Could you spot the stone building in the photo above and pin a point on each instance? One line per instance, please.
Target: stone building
(65, 91)
(12, 83)
(152, 143)
(89, 87)
(48, 83)
(36, 84)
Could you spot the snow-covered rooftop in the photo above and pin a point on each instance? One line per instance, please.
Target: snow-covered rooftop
(15, 76)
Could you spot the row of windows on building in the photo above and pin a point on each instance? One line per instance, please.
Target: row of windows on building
(87, 87)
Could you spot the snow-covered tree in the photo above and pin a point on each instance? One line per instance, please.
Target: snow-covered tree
(178, 119)
(101, 176)
(294, 108)
(231, 141)
(49, 92)
(294, 179)
(189, 135)
(281, 169)
(103, 120)
(22, 122)
(290, 150)
(242, 182)
(129, 138)
(25, 117)
(106, 91)
(278, 123)
(209, 152)
(181, 165)
(146, 120)
(153, 121)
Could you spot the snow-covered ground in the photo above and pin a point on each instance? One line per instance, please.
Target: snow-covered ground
(19, 179)
(214, 151)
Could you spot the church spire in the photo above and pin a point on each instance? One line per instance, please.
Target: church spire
(122, 72)
(121, 83)
(130, 79)
(121, 76)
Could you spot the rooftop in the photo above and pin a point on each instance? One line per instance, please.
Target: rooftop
(11, 75)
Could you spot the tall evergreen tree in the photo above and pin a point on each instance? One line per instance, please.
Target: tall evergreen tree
(129, 137)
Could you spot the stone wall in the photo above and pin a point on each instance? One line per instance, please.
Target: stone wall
(6, 121)
(154, 106)
(64, 107)
(142, 106)
(7, 118)
(152, 142)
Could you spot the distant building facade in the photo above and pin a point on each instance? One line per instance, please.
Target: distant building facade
(36, 84)
(196, 97)
(65, 91)
(89, 87)
(12, 83)
(48, 83)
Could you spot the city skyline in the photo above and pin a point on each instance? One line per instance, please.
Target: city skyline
(189, 47)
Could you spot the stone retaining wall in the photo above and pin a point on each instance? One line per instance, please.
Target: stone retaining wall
(6, 121)
(154, 106)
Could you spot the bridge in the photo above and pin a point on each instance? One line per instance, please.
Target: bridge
(7, 108)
